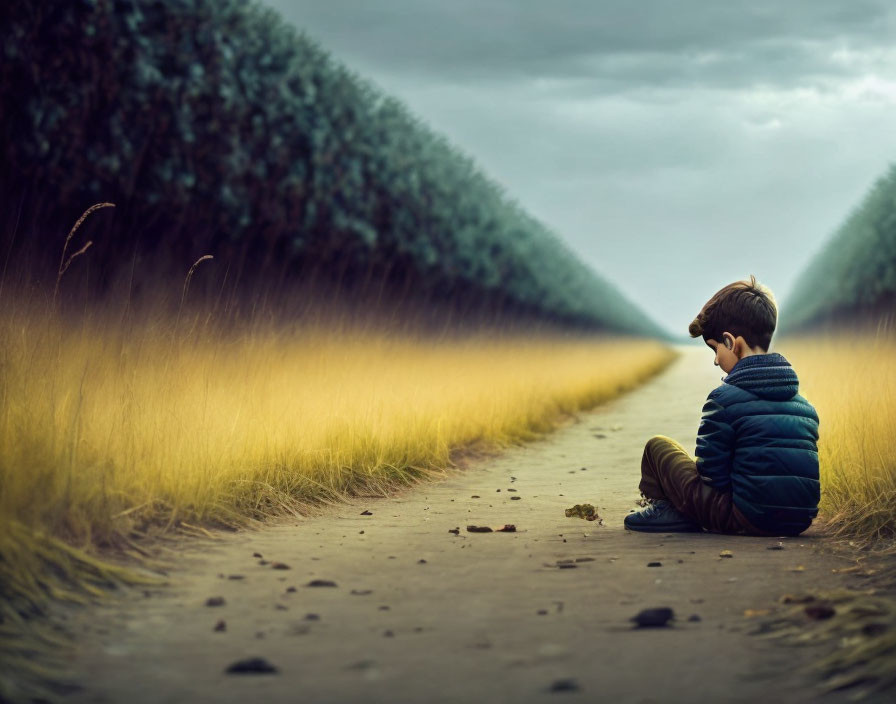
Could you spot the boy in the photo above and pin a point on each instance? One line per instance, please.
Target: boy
(756, 470)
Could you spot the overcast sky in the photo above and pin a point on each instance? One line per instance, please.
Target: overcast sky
(676, 146)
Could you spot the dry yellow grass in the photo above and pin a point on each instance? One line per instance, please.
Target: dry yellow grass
(108, 431)
(851, 380)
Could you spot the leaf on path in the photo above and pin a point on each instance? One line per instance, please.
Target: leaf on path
(279, 566)
(321, 583)
(506, 528)
(365, 512)
(726, 553)
(778, 546)
(215, 601)
(220, 626)
(479, 529)
(586, 511)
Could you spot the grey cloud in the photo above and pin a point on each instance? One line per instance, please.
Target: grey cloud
(656, 41)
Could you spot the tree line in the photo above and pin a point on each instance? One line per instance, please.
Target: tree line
(217, 128)
(854, 276)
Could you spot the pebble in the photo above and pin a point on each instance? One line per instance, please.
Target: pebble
(215, 601)
(565, 685)
(653, 618)
(251, 666)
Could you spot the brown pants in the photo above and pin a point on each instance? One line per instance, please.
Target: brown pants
(669, 472)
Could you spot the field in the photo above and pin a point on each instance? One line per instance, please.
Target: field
(851, 380)
(112, 430)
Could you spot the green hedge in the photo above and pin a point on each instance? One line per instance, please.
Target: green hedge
(854, 275)
(218, 128)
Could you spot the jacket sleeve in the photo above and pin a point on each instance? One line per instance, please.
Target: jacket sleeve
(715, 446)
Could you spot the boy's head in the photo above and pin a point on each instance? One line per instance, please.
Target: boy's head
(745, 310)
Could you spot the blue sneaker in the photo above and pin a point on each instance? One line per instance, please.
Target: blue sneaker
(660, 516)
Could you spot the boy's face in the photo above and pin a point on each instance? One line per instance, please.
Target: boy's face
(726, 357)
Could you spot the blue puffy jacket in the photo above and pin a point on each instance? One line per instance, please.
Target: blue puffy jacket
(757, 439)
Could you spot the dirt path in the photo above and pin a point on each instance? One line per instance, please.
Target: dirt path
(419, 614)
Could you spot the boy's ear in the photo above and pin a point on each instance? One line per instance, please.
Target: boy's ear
(728, 340)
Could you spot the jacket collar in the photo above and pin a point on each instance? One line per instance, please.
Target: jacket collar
(765, 375)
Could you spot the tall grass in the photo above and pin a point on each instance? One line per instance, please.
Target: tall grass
(850, 378)
(110, 430)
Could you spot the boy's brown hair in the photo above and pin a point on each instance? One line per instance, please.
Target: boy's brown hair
(744, 308)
